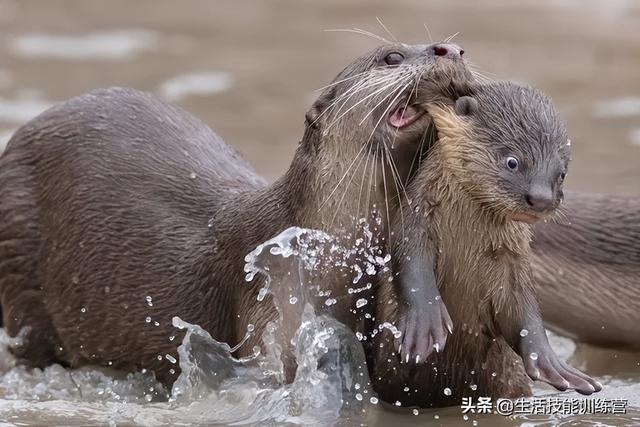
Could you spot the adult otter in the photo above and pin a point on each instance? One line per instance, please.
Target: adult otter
(119, 211)
(498, 164)
(587, 269)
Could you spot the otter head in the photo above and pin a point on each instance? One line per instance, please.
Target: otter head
(381, 89)
(366, 127)
(509, 147)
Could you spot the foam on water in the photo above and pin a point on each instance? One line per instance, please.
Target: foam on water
(112, 45)
(620, 107)
(183, 86)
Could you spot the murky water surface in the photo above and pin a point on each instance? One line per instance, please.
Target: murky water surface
(249, 69)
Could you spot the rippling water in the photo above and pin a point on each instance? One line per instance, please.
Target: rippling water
(250, 70)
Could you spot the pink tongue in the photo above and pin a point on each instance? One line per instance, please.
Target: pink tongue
(402, 116)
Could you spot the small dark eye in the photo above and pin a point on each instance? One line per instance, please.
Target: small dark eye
(394, 58)
(562, 176)
(512, 163)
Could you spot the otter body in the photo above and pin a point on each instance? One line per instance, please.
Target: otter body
(119, 211)
(106, 202)
(587, 269)
(498, 163)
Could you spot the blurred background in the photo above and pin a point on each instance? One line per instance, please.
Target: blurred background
(249, 69)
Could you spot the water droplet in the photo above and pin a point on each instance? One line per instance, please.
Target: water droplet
(361, 302)
(156, 323)
(358, 396)
(148, 319)
(172, 337)
(371, 269)
(159, 357)
(172, 371)
(250, 327)
(359, 336)
(148, 397)
(473, 387)
(447, 391)
(406, 389)
(149, 301)
(465, 417)
(475, 423)
(83, 310)
(330, 302)
(193, 175)
(415, 412)
(170, 358)
(534, 356)
(398, 403)
(436, 417)
(374, 400)
(493, 374)
(358, 275)
(524, 333)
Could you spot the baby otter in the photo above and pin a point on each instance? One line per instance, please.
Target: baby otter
(497, 166)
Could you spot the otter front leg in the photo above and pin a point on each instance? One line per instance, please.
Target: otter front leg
(424, 321)
(520, 323)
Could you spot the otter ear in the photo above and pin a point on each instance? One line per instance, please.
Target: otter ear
(318, 107)
(466, 106)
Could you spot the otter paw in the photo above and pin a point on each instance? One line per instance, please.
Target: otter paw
(553, 371)
(424, 330)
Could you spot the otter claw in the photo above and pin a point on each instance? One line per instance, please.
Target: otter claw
(423, 330)
(550, 369)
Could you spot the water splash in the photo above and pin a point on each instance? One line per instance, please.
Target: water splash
(331, 382)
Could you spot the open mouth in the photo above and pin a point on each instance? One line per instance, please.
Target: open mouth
(404, 115)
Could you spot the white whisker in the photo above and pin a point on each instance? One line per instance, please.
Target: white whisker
(386, 29)
(343, 177)
(359, 31)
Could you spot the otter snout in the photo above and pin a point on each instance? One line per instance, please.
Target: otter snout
(540, 198)
(447, 50)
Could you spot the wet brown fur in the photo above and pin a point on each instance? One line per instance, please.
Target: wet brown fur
(116, 196)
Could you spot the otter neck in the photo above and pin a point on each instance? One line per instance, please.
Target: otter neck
(340, 181)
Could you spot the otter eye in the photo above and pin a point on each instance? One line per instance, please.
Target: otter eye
(562, 176)
(512, 163)
(394, 58)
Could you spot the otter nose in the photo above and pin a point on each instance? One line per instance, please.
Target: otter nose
(539, 198)
(448, 50)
